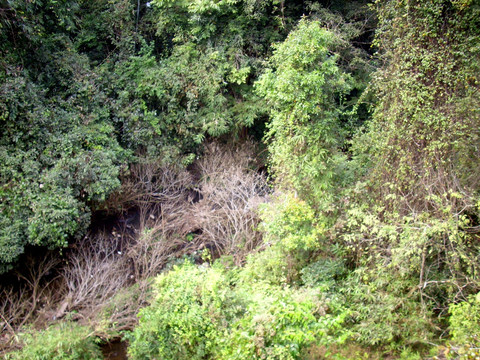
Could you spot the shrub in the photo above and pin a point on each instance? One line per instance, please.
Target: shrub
(278, 324)
(324, 273)
(185, 320)
(230, 191)
(202, 312)
(270, 266)
(291, 222)
(291, 234)
(386, 310)
(66, 341)
(465, 327)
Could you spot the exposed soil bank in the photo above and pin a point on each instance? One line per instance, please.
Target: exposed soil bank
(116, 350)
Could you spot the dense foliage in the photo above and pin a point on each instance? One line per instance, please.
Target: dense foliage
(203, 312)
(84, 85)
(313, 99)
(369, 114)
(418, 214)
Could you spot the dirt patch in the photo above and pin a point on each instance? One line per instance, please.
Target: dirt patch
(115, 350)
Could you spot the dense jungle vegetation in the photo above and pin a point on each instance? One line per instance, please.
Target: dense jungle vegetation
(240, 179)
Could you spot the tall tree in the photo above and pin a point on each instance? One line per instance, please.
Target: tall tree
(423, 143)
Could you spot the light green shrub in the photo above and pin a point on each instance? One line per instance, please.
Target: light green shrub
(291, 233)
(292, 223)
(278, 324)
(66, 341)
(210, 313)
(269, 266)
(185, 320)
(465, 327)
(303, 85)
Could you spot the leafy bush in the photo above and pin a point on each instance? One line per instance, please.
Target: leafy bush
(323, 273)
(192, 307)
(271, 266)
(208, 312)
(290, 223)
(386, 311)
(66, 341)
(290, 235)
(278, 325)
(465, 322)
(418, 216)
